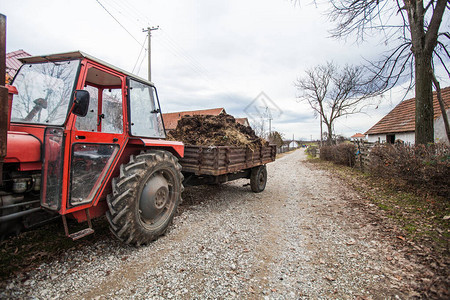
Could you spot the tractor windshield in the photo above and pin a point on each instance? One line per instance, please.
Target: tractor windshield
(45, 91)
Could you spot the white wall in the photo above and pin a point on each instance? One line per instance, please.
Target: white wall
(293, 144)
(407, 137)
(440, 136)
(373, 138)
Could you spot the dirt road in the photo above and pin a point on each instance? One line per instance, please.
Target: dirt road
(306, 236)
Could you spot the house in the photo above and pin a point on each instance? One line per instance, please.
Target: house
(243, 121)
(171, 119)
(358, 137)
(293, 144)
(399, 124)
(13, 64)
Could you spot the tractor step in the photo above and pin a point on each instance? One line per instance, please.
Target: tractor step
(82, 233)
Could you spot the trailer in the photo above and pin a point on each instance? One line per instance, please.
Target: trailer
(219, 164)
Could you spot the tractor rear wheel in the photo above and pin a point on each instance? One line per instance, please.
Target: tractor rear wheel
(258, 179)
(145, 197)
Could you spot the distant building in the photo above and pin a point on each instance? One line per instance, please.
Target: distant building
(13, 64)
(399, 124)
(243, 121)
(293, 144)
(171, 119)
(358, 137)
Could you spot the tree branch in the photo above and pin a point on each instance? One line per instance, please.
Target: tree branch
(433, 28)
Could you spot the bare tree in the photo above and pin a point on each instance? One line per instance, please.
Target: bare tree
(413, 25)
(333, 93)
(258, 126)
(276, 138)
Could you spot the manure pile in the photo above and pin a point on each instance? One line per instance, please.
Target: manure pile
(221, 130)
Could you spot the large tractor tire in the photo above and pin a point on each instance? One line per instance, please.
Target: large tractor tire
(258, 179)
(145, 197)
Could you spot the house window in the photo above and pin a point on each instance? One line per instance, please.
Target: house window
(390, 138)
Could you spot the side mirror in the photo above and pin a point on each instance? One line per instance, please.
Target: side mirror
(81, 103)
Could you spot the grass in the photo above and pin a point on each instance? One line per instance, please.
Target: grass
(419, 214)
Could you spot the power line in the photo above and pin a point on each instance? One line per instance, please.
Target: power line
(118, 22)
(342, 124)
(140, 52)
(123, 10)
(128, 11)
(168, 42)
(169, 45)
(143, 57)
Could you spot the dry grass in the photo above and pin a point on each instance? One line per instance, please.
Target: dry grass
(423, 217)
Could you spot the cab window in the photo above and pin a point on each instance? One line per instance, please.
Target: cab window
(145, 115)
(105, 107)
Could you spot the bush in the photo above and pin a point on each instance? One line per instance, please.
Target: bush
(312, 151)
(425, 167)
(342, 154)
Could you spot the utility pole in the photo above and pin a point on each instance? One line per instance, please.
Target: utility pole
(149, 33)
(267, 114)
(270, 126)
(269, 117)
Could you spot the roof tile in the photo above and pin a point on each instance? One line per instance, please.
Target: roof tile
(12, 62)
(402, 117)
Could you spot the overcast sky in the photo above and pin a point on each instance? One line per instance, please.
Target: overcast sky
(207, 53)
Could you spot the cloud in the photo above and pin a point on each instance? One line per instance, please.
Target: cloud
(206, 54)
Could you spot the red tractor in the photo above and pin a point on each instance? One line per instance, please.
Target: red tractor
(84, 139)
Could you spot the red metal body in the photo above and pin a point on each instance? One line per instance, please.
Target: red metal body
(26, 142)
(11, 92)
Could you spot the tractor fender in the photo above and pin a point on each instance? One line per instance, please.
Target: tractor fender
(177, 148)
(22, 148)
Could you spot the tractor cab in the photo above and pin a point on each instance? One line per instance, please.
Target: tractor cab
(84, 118)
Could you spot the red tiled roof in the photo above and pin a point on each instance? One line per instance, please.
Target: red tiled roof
(358, 136)
(402, 117)
(171, 119)
(243, 121)
(12, 62)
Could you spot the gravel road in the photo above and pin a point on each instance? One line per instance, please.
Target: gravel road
(303, 237)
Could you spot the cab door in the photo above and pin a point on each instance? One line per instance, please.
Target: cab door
(96, 139)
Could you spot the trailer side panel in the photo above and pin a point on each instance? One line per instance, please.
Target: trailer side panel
(219, 160)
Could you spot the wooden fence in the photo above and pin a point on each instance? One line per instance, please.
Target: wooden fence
(286, 148)
(363, 155)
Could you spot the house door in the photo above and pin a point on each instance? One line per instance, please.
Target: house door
(390, 138)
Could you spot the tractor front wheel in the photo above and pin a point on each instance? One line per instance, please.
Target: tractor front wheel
(145, 197)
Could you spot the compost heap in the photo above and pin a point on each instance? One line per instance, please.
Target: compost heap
(221, 130)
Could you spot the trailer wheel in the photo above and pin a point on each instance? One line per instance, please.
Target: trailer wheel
(145, 197)
(258, 179)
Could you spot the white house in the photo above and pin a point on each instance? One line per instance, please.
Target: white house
(358, 137)
(399, 124)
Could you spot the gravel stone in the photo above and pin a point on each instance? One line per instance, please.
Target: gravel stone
(302, 238)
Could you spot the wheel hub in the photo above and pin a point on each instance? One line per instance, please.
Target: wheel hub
(154, 198)
(161, 197)
(261, 179)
